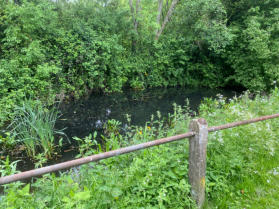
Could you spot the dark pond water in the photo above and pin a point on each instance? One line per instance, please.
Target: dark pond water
(89, 115)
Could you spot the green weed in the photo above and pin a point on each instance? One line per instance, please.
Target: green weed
(33, 126)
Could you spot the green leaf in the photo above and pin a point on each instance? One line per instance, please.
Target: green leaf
(25, 190)
(82, 196)
(116, 192)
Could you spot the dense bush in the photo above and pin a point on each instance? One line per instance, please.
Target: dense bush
(253, 56)
(41, 58)
(65, 49)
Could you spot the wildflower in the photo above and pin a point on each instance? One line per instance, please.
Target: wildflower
(140, 132)
(267, 126)
(268, 181)
(148, 127)
(274, 171)
(220, 140)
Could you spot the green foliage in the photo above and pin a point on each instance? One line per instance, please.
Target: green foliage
(257, 38)
(43, 59)
(204, 23)
(112, 127)
(24, 70)
(33, 126)
(88, 145)
(7, 142)
(7, 167)
(123, 182)
(237, 173)
(67, 49)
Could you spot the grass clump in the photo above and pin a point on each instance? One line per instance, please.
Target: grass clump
(33, 127)
(242, 166)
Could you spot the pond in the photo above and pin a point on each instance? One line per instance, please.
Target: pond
(88, 115)
(85, 116)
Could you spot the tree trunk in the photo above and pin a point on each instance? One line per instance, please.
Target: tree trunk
(135, 21)
(167, 18)
(132, 10)
(160, 7)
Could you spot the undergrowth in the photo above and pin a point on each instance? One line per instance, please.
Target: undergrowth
(242, 165)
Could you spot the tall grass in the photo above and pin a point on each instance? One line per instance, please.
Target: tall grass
(33, 126)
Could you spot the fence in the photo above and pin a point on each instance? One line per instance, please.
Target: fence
(197, 155)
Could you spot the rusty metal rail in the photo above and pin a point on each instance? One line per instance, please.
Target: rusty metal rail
(244, 122)
(97, 157)
(92, 158)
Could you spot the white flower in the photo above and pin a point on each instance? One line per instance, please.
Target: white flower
(220, 140)
(274, 171)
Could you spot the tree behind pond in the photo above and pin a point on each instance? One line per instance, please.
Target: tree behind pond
(54, 48)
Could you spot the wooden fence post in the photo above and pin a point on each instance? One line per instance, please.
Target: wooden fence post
(197, 160)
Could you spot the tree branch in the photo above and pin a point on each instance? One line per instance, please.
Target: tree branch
(167, 18)
(160, 7)
(132, 9)
(137, 13)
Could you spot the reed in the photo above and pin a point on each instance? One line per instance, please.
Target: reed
(34, 127)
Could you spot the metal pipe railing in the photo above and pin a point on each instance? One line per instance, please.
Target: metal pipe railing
(244, 122)
(97, 157)
(92, 158)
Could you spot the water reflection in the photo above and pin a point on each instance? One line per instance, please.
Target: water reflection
(89, 115)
